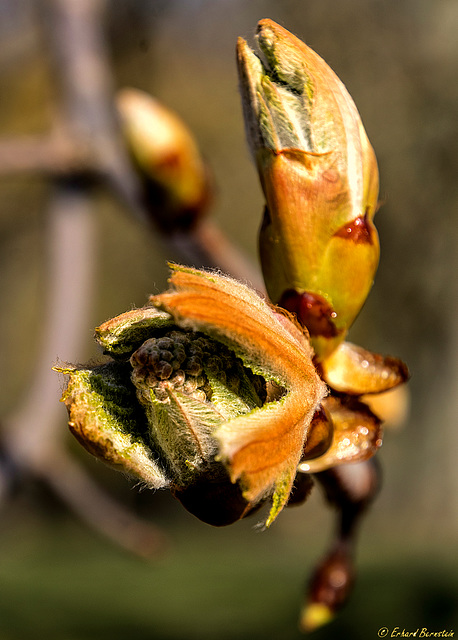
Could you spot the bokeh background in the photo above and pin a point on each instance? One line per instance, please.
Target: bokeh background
(399, 60)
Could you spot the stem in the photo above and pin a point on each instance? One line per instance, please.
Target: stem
(206, 245)
(34, 428)
(100, 511)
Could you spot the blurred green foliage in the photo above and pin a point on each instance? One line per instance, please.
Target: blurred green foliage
(61, 582)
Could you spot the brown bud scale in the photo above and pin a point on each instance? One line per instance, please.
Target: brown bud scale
(312, 311)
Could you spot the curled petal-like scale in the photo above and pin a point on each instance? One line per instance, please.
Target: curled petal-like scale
(260, 449)
(230, 312)
(319, 437)
(120, 336)
(353, 370)
(104, 418)
(263, 447)
(357, 435)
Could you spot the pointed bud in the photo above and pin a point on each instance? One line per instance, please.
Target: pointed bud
(175, 177)
(319, 248)
(329, 589)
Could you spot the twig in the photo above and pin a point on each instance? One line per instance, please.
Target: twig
(51, 155)
(206, 245)
(351, 489)
(32, 429)
(82, 62)
(102, 512)
(34, 439)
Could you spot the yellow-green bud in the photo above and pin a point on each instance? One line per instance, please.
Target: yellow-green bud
(318, 246)
(175, 177)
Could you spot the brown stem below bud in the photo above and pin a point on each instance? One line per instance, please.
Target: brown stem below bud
(351, 488)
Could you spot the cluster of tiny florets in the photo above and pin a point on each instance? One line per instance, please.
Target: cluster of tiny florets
(180, 360)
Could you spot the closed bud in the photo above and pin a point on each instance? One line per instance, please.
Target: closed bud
(329, 588)
(318, 246)
(175, 177)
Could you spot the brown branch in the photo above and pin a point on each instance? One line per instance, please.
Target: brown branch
(34, 439)
(100, 511)
(83, 70)
(86, 137)
(34, 427)
(51, 155)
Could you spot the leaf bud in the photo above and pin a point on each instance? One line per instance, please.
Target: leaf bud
(176, 180)
(319, 248)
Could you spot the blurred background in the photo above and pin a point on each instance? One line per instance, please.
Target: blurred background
(59, 578)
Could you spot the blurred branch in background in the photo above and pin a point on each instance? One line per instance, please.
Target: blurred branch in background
(84, 147)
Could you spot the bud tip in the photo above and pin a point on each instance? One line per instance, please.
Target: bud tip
(314, 615)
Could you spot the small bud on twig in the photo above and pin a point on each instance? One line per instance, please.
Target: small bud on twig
(175, 177)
